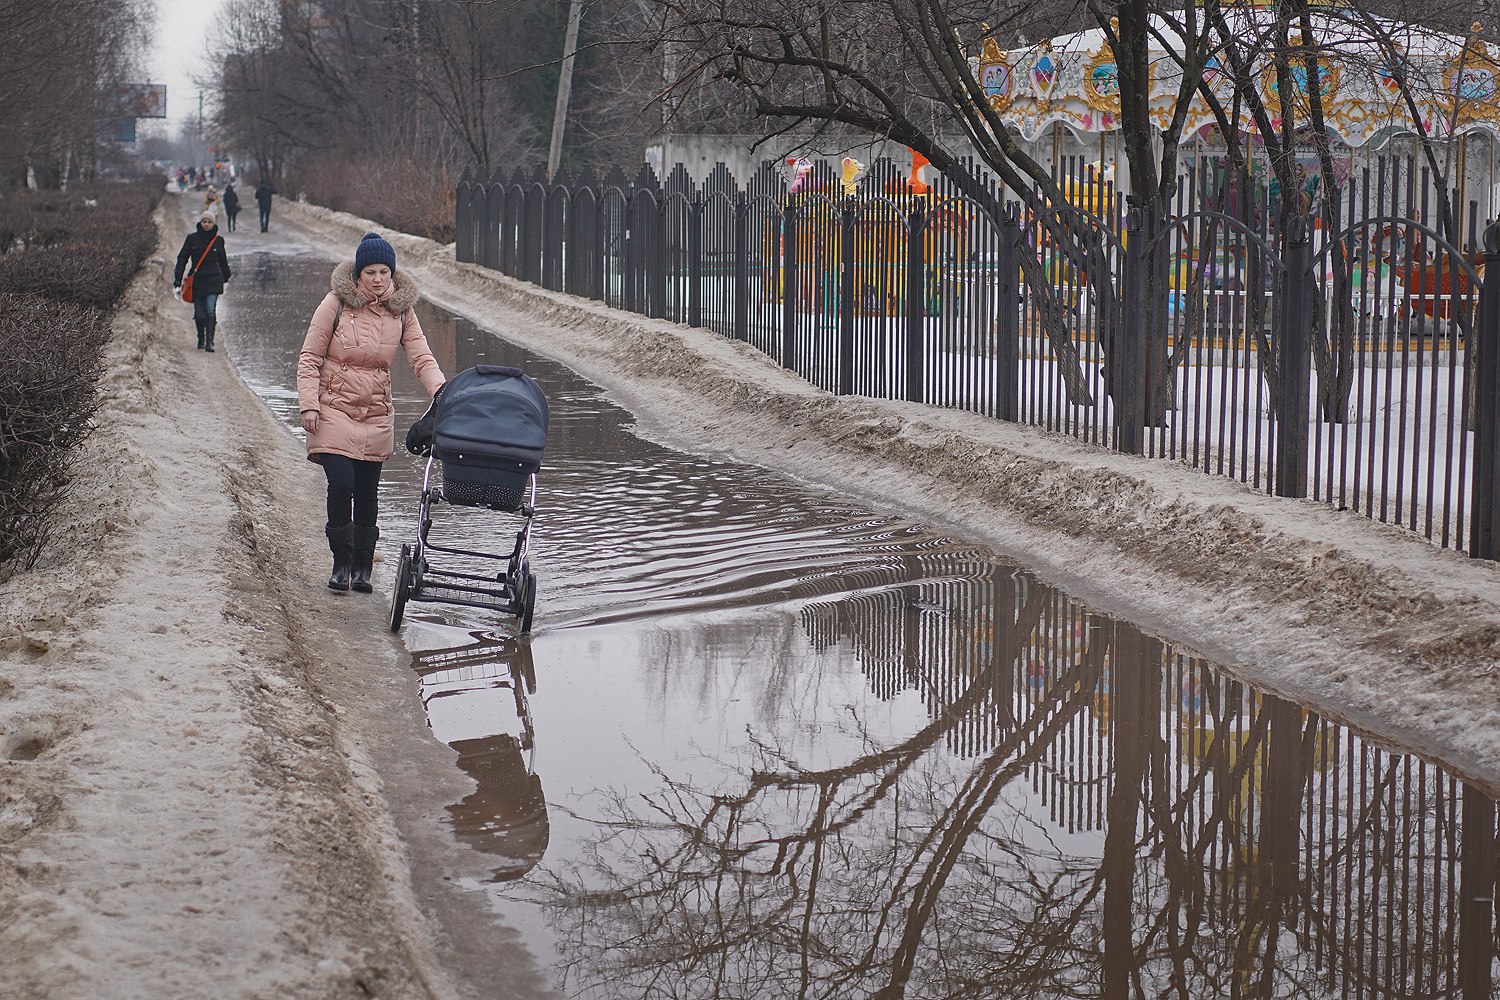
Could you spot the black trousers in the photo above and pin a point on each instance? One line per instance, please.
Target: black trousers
(205, 308)
(265, 218)
(353, 488)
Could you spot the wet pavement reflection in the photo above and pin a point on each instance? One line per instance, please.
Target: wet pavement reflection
(792, 747)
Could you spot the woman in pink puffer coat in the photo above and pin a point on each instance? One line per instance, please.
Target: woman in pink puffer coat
(344, 393)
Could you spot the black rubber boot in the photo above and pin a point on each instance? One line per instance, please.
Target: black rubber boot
(341, 544)
(210, 325)
(199, 324)
(364, 557)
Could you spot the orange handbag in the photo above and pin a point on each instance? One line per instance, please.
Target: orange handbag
(187, 282)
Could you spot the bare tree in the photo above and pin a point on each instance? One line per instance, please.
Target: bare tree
(63, 71)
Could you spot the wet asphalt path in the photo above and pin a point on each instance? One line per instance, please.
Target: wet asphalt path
(768, 743)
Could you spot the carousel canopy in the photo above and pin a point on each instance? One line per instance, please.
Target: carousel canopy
(1073, 79)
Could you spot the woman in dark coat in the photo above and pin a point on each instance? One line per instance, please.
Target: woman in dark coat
(204, 244)
(231, 206)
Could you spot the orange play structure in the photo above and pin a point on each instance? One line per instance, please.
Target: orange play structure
(880, 235)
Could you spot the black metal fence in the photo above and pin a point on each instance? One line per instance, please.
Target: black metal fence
(1269, 844)
(1344, 354)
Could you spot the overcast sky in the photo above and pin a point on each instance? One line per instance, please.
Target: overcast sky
(182, 32)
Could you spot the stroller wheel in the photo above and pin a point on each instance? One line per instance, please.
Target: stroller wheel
(528, 602)
(401, 589)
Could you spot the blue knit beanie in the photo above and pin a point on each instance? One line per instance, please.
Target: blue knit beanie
(374, 250)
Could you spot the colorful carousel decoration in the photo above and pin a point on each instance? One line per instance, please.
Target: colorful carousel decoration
(1062, 96)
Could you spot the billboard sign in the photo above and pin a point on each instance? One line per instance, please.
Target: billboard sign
(118, 130)
(142, 100)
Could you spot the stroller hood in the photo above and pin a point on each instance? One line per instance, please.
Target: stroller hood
(490, 416)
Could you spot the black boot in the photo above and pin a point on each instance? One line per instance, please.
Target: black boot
(199, 324)
(209, 325)
(364, 557)
(341, 544)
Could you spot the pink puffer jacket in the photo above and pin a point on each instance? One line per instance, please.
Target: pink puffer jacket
(345, 375)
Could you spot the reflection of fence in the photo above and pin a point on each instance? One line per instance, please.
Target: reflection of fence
(1284, 849)
(1322, 358)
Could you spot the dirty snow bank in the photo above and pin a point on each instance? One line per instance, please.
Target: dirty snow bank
(180, 813)
(1369, 623)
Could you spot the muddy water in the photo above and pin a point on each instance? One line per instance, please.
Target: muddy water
(768, 743)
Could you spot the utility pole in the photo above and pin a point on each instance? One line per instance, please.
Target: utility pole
(564, 87)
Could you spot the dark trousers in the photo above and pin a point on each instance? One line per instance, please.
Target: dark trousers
(205, 308)
(353, 487)
(232, 214)
(265, 218)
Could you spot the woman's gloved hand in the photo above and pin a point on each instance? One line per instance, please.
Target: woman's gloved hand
(419, 435)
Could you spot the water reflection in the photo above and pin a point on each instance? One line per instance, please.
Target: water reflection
(1086, 812)
(475, 697)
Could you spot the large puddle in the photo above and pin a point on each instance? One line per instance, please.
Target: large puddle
(767, 743)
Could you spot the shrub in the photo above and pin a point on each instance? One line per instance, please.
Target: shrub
(84, 246)
(71, 258)
(399, 191)
(87, 213)
(52, 356)
(90, 274)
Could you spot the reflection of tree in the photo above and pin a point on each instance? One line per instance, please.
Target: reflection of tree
(754, 893)
(1239, 848)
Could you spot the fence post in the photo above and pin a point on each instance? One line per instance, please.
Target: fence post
(695, 262)
(741, 268)
(657, 275)
(628, 255)
(600, 243)
(494, 213)
(1127, 361)
(1293, 347)
(525, 251)
(788, 286)
(1008, 318)
(1476, 891)
(1485, 393)
(554, 208)
(916, 306)
(846, 298)
(507, 236)
(463, 250)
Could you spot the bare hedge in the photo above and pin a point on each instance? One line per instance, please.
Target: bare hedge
(67, 260)
(402, 192)
(52, 357)
(83, 246)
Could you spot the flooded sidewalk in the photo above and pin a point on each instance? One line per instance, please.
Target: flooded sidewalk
(766, 741)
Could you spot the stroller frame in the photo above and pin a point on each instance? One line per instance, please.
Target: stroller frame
(512, 592)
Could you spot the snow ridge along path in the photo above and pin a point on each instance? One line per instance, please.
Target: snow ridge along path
(182, 813)
(1369, 623)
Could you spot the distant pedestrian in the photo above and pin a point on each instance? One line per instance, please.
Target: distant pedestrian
(263, 192)
(204, 249)
(344, 395)
(211, 201)
(231, 205)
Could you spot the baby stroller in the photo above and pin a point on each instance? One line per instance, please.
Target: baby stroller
(487, 427)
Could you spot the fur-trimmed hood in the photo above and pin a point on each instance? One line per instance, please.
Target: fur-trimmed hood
(403, 298)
